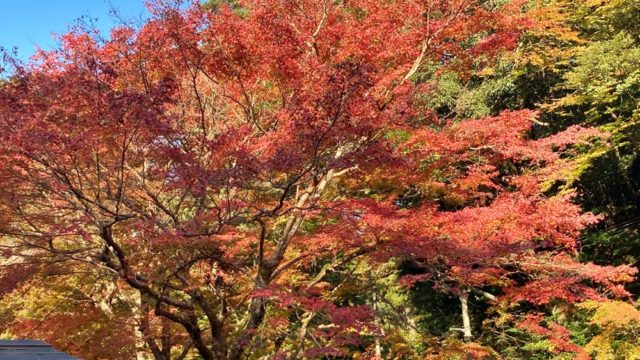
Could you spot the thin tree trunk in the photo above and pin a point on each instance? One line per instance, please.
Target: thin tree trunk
(378, 324)
(141, 354)
(466, 320)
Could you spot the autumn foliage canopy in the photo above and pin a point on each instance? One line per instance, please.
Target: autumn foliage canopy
(216, 182)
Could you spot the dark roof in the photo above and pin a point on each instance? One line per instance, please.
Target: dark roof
(30, 350)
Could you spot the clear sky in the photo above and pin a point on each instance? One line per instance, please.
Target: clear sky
(27, 23)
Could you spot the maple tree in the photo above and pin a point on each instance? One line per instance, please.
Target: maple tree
(222, 172)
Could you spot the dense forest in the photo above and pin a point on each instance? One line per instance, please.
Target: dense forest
(328, 179)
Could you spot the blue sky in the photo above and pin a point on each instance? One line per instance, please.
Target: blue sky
(27, 23)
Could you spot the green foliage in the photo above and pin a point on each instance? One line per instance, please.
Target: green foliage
(214, 5)
(604, 19)
(605, 90)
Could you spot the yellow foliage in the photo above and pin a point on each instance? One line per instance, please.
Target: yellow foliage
(601, 347)
(615, 317)
(612, 313)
